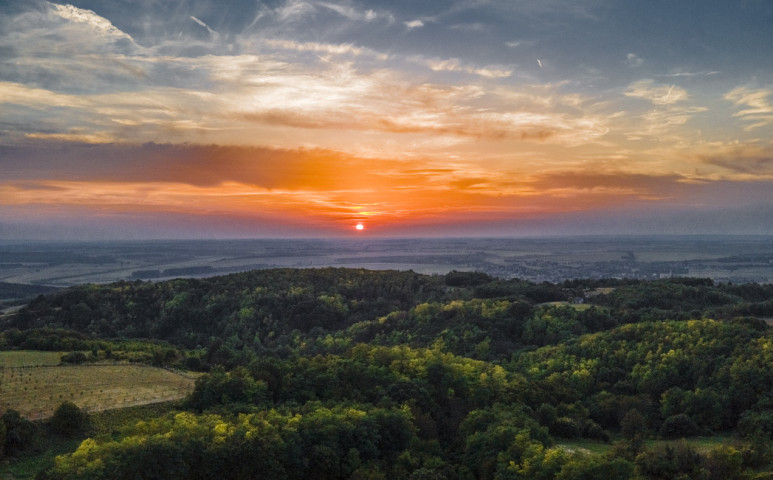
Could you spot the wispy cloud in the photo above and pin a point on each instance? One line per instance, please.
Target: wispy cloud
(759, 109)
(520, 43)
(201, 23)
(755, 162)
(238, 90)
(339, 49)
(476, 27)
(656, 94)
(327, 104)
(665, 120)
(692, 74)
(87, 17)
(210, 179)
(359, 15)
(633, 60)
(456, 65)
(294, 9)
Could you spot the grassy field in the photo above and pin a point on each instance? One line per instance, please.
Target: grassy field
(25, 358)
(576, 306)
(36, 391)
(701, 444)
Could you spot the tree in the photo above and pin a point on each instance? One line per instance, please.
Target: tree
(724, 463)
(2, 439)
(69, 420)
(75, 358)
(587, 467)
(633, 427)
(669, 462)
(680, 425)
(20, 433)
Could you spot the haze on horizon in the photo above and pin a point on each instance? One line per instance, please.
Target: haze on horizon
(292, 118)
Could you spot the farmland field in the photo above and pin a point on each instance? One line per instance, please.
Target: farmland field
(36, 391)
(28, 358)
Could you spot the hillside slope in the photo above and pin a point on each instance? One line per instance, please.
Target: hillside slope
(342, 373)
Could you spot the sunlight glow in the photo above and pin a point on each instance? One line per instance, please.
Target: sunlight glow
(280, 131)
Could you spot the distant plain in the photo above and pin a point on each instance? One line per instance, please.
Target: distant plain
(735, 259)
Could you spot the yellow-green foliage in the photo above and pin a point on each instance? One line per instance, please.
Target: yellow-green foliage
(36, 391)
(316, 442)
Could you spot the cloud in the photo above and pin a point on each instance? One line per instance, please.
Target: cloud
(656, 94)
(294, 9)
(197, 165)
(235, 91)
(99, 169)
(334, 49)
(19, 94)
(199, 22)
(455, 65)
(520, 43)
(358, 15)
(661, 124)
(632, 60)
(666, 121)
(759, 109)
(692, 74)
(621, 183)
(100, 25)
(322, 186)
(753, 161)
(414, 24)
(476, 27)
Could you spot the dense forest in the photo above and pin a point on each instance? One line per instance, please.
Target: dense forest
(357, 374)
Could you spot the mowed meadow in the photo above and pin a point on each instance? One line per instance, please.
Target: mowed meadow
(34, 384)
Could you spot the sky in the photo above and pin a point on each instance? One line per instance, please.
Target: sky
(291, 118)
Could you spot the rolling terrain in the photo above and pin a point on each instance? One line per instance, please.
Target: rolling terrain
(354, 373)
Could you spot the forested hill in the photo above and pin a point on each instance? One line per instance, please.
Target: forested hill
(272, 310)
(340, 373)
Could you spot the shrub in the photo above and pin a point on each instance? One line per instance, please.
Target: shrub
(74, 358)
(565, 427)
(593, 430)
(69, 420)
(20, 433)
(680, 425)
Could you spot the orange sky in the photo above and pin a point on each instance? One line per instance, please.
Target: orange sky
(308, 117)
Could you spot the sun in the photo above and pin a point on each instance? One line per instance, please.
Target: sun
(359, 226)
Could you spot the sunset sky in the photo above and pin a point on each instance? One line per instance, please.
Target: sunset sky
(286, 118)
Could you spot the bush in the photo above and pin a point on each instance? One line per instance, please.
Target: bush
(592, 467)
(670, 462)
(20, 433)
(74, 358)
(2, 439)
(756, 424)
(633, 426)
(565, 427)
(69, 420)
(680, 425)
(593, 431)
(724, 463)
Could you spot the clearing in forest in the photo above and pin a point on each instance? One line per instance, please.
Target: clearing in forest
(36, 391)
